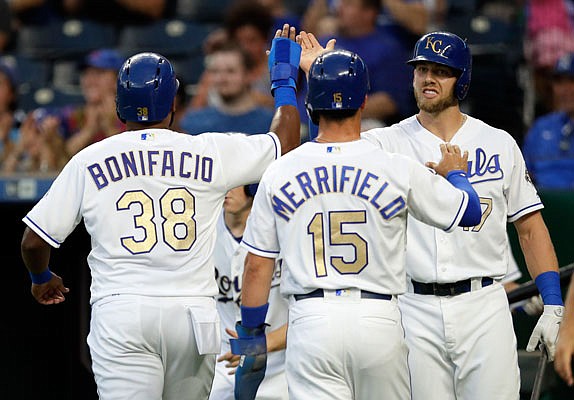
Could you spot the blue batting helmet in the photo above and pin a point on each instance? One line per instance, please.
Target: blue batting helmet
(447, 49)
(338, 80)
(146, 88)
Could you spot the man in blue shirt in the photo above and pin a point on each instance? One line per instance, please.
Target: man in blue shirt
(549, 145)
(233, 107)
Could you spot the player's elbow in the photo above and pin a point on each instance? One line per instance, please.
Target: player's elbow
(472, 213)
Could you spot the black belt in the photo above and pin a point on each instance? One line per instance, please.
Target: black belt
(364, 295)
(447, 289)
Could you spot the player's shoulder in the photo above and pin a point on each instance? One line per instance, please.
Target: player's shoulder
(488, 132)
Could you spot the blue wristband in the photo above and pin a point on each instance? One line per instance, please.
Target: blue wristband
(284, 96)
(253, 317)
(42, 277)
(548, 284)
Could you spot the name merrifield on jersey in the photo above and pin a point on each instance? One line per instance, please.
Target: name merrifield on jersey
(335, 179)
(151, 163)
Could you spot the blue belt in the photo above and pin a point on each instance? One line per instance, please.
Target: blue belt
(364, 295)
(447, 289)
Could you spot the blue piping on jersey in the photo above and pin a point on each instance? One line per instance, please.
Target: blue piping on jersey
(261, 250)
(41, 230)
(525, 208)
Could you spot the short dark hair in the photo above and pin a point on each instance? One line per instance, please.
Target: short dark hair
(251, 13)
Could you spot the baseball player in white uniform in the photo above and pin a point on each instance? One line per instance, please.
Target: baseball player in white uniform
(335, 211)
(150, 198)
(455, 313)
(229, 258)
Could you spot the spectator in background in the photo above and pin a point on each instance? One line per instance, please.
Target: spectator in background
(9, 124)
(281, 14)
(5, 25)
(549, 35)
(28, 143)
(96, 118)
(229, 70)
(249, 24)
(390, 95)
(549, 144)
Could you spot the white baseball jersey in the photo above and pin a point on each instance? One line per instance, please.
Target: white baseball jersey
(465, 344)
(229, 259)
(498, 174)
(337, 213)
(150, 200)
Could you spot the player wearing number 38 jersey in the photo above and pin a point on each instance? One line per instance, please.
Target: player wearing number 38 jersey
(150, 198)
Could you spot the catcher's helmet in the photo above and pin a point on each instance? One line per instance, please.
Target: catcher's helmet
(338, 80)
(146, 88)
(447, 49)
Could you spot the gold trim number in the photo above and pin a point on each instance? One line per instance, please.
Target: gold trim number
(337, 220)
(486, 210)
(177, 207)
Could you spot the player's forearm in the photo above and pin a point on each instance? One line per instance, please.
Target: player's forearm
(287, 124)
(536, 244)
(277, 339)
(257, 278)
(35, 252)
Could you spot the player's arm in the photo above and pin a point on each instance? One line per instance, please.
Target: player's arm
(252, 341)
(453, 166)
(565, 344)
(47, 287)
(283, 62)
(542, 265)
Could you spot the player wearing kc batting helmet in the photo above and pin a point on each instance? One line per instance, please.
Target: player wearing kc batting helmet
(455, 313)
(149, 198)
(335, 211)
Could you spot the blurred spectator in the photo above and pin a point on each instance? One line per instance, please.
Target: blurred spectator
(8, 103)
(96, 119)
(5, 25)
(29, 144)
(236, 110)
(248, 24)
(390, 96)
(181, 104)
(281, 14)
(549, 35)
(40, 146)
(549, 145)
(121, 12)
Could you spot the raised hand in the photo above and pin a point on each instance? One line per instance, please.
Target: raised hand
(311, 49)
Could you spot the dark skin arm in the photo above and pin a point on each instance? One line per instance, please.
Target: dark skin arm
(36, 255)
(286, 121)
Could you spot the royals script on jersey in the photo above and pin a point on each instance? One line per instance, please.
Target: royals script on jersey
(498, 174)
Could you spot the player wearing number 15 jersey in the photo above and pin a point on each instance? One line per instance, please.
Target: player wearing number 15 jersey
(335, 211)
(150, 198)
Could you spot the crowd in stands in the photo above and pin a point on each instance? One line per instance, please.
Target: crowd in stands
(225, 86)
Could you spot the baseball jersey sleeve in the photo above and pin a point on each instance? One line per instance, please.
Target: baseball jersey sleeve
(57, 214)
(433, 200)
(521, 194)
(245, 157)
(260, 236)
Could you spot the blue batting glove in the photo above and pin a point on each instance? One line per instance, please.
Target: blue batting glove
(283, 63)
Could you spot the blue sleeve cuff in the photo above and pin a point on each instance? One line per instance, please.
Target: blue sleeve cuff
(548, 284)
(472, 214)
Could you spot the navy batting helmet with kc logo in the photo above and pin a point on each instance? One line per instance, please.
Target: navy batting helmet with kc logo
(447, 49)
(146, 88)
(338, 80)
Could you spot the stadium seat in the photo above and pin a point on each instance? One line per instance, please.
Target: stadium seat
(69, 38)
(48, 97)
(30, 71)
(212, 11)
(169, 38)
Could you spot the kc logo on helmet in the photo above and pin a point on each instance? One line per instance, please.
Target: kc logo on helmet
(436, 46)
